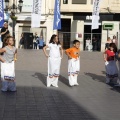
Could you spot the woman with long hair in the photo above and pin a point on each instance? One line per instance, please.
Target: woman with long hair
(54, 60)
(110, 64)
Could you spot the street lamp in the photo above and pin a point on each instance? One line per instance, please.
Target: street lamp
(13, 9)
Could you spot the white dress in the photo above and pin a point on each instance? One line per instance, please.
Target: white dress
(54, 62)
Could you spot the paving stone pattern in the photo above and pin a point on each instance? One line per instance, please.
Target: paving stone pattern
(91, 100)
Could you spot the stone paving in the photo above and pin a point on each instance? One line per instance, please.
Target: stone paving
(91, 100)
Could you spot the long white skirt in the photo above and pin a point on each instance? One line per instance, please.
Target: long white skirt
(53, 71)
(73, 70)
(111, 72)
(8, 76)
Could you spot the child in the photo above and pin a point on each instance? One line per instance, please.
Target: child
(73, 62)
(54, 60)
(7, 65)
(110, 64)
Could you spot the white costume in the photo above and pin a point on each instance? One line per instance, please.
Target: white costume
(73, 70)
(54, 62)
(8, 76)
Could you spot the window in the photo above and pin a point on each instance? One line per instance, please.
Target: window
(65, 1)
(79, 1)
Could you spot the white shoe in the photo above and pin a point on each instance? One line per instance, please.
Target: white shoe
(71, 85)
(55, 85)
(76, 84)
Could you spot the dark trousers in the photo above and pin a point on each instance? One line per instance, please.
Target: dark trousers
(35, 45)
(40, 47)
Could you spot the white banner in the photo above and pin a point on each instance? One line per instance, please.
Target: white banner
(36, 13)
(95, 14)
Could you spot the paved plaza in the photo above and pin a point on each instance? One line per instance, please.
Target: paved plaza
(91, 100)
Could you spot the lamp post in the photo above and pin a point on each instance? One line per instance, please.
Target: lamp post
(13, 10)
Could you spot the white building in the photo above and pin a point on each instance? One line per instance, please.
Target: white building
(76, 21)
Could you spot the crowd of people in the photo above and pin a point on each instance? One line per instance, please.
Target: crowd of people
(54, 62)
(9, 56)
(38, 41)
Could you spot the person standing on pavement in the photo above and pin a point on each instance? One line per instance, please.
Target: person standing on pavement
(40, 42)
(110, 64)
(87, 46)
(22, 41)
(107, 43)
(73, 62)
(114, 40)
(54, 60)
(7, 65)
(94, 43)
(35, 41)
(4, 32)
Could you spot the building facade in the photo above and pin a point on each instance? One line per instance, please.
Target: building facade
(76, 18)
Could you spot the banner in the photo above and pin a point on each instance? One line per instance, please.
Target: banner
(57, 16)
(36, 13)
(1, 13)
(95, 14)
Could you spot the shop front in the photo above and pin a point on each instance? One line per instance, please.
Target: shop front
(97, 37)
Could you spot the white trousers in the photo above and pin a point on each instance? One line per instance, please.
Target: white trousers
(53, 71)
(8, 76)
(73, 80)
(73, 70)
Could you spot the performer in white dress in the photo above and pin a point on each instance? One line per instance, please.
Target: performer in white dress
(54, 60)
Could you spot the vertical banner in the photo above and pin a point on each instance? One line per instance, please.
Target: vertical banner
(1, 13)
(36, 13)
(57, 16)
(95, 14)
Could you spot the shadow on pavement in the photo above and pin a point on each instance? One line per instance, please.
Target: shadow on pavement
(96, 77)
(64, 80)
(100, 78)
(43, 77)
(103, 72)
(37, 103)
(115, 88)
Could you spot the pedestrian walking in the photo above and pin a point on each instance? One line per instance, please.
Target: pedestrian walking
(108, 43)
(73, 54)
(54, 60)
(110, 64)
(7, 65)
(114, 40)
(87, 46)
(40, 42)
(94, 43)
(22, 41)
(35, 41)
